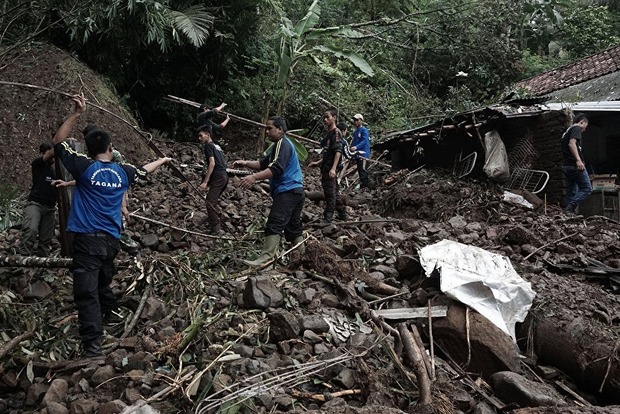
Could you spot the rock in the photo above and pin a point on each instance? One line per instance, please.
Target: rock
(284, 325)
(83, 406)
(38, 290)
(102, 374)
(407, 266)
(150, 241)
(331, 301)
(457, 222)
(57, 392)
(260, 292)
(386, 270)
(346, 377)
(135, 375)
(154, 310)
(132, 395)
(315, 323)
(57, 408)
(199, 218)
(35, 393)
(514, 388)
(112, 407)
(311, 338)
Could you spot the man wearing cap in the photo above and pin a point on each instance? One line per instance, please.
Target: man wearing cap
(360, 145)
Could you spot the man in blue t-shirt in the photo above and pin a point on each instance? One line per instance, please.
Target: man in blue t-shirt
(578, 185)
(95, 219)
(360, 145)
(281, 167)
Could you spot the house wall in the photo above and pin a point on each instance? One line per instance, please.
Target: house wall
(535, 142)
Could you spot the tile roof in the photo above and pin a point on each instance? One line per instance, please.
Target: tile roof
(590, 67)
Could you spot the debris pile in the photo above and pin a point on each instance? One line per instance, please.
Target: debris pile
(345, 328)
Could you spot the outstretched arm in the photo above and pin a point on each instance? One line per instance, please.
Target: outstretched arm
(152, 166)
(67, 126)
(252, 165)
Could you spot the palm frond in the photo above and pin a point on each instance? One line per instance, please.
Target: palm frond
(195, 23)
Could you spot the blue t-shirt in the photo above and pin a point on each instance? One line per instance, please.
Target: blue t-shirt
(98, 194)
(284, 165)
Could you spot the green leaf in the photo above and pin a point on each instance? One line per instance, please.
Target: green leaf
(354, 58)
(310, 20)
(195, 23)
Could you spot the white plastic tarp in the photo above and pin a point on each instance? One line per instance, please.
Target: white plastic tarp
(495, 158)
(484, 281)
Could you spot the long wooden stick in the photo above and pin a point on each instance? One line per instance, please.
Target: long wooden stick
(548, 244)
(260, 125)
(161, 223)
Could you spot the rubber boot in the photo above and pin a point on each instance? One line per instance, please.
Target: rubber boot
(270, 246)
(299, 251)
(328, 217)
(92, 348)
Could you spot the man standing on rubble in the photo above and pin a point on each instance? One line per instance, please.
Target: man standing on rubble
(578, 185)
(214, 177)
(95, 218)
(360, 145)
(331, 164)
(281, 166)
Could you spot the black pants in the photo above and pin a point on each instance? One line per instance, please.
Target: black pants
(93, 269)
(285, 214)
(217, 185)
(361, 170)
(331, 189)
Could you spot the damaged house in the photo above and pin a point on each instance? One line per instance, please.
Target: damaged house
(530, 131)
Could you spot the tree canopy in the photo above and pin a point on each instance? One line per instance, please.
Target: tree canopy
(401, 63)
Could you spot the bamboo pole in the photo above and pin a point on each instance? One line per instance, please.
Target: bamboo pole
(173, 98)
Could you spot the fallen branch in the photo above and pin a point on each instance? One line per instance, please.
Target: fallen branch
(328, 396)
(33, 261)
(415, 357)
(195, 233)
(14, 342)
(160, 394)
(549, 244)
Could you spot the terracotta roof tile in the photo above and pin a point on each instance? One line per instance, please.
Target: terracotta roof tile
(590, 67)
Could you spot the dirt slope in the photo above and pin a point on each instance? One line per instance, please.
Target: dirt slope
(29, 116)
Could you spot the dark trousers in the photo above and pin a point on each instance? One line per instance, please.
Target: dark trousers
(217, 185)
(93, 269)
(285, 215)
(333, 200)
(361, 170)
(578, 187)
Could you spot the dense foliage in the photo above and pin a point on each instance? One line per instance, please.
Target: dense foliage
(400, 63)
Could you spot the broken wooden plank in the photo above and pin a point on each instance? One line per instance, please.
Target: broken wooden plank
(413, 313)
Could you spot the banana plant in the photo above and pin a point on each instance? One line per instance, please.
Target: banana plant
(305, 40)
